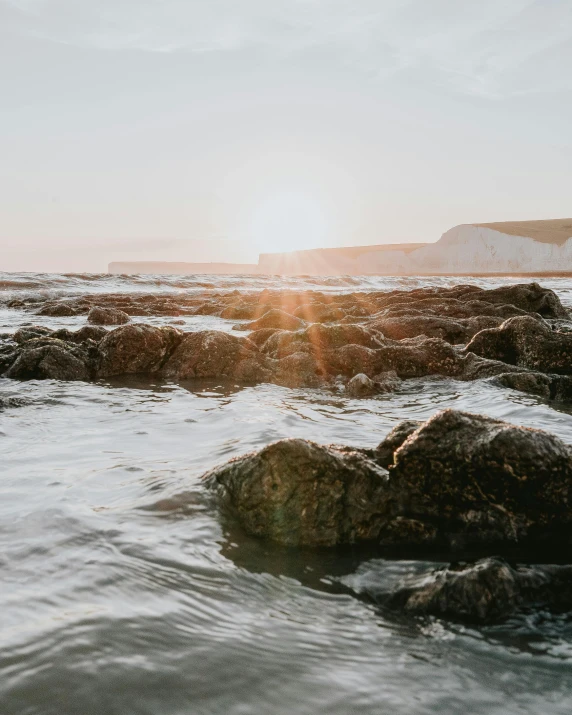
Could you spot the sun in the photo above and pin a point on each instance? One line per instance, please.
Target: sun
(289, 221)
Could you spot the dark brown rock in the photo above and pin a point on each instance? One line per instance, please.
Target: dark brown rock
(274, 318)
(480, 480)
(485, 591)
(107, 316)
(52, 360)
(297, 492)
(457, 481)
(135, 349)
(212, 353)
(528, 343)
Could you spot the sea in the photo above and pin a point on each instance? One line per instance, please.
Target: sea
(123, 591)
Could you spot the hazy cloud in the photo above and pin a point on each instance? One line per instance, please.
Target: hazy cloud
(491, 48)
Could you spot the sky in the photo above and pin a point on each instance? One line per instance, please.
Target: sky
(212, 130)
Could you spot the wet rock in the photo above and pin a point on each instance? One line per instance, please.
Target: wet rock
(239, 311)
(211, 353)
(259, 337)
(28, 333)
(485, 591)
(8, 402)
(318, 338)
(528, 343)
(296, 492)
(298, 370)
(362, 386)
(452, 331)
(57, 310)
(133, 349)
(386, 449)
(107, 316)
(457, 481)
(53, 360)
(550, 387)
(534, 383)
(530, 297)
(85, 333)
(274, 319)
(483, 481)
(319, 313)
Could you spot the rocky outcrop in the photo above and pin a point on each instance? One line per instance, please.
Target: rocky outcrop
(107, 316)
(457, 481)
(408, 334)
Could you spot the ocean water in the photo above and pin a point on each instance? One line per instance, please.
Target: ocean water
(123, 591)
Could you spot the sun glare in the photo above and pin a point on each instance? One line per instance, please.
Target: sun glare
(289, 222)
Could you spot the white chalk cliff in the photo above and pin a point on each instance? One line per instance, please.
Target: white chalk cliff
(507, 247)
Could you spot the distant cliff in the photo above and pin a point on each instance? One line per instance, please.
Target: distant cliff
(512, 247)
(508, 247)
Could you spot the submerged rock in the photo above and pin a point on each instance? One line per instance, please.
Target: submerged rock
(361, 386)
(299, 493)
(107, 316)
(485, 591)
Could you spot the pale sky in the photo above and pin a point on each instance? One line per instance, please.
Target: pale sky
(207, 130)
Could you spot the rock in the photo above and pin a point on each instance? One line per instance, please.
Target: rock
(457, 481)
(135, 349)
(530, 297)
(485, 591)
(107, 316)
(57, 310)
(53, 360)
(319, 313)
(22, 335)
(274, 319)
(550, 387)
(483, 481)
(298, 493)
(298, 370)
(85, 333)
(455, 331)
(534, 383)
(318, 338)
(211, 353)
(528, 343)
(386, 449)
(361, 386)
